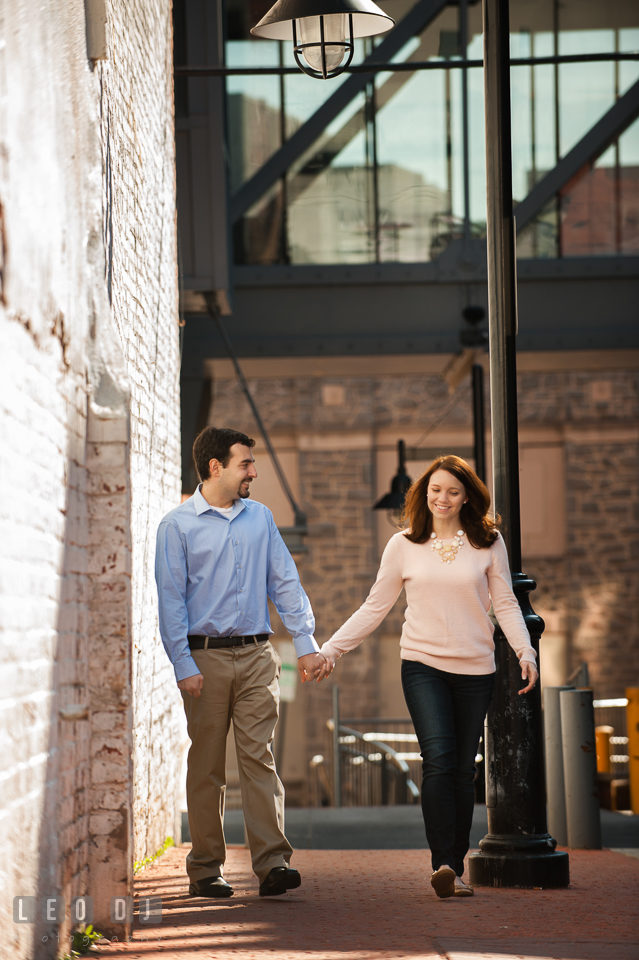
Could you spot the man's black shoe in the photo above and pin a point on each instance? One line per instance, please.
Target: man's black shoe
(279, 880)
(211, 887)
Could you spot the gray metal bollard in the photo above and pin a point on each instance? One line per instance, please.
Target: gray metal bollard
(555, 789)
(580, 769)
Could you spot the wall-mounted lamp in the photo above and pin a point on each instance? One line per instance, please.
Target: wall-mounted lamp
(393, 502)
(323, 31)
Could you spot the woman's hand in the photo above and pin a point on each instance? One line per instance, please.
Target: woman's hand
(329, 666)
(528, 672)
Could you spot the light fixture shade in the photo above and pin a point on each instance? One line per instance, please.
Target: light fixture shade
(400, 485)
(368, 19)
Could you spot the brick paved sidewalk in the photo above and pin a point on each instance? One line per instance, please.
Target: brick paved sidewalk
(373, 905)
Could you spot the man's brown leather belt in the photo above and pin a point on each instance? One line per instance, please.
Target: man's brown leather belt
(212, 643)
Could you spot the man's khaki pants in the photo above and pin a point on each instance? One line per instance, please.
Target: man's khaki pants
(240, 684)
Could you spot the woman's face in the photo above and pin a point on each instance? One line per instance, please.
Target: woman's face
(446, 495)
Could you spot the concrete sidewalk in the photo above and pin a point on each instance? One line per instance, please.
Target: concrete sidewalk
(394, 828)
(378, 905)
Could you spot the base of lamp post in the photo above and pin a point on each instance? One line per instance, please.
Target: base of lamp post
(519, 862)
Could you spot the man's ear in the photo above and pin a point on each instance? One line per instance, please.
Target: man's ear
(215, 468)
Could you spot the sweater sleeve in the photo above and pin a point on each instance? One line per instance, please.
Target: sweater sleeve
(383, 595)
(505, 605)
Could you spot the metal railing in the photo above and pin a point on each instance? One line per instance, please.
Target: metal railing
(363, 769)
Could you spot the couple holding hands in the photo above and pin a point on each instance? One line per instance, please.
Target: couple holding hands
(220, 558)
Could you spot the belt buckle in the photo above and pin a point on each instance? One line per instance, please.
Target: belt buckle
(206, 643)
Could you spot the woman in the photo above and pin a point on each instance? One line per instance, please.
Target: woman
(452, 562)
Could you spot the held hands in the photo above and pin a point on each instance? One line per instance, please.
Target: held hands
(529, 673)
(315, 666)
(311, 667)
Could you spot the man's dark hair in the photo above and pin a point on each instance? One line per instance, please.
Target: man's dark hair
(215, 443)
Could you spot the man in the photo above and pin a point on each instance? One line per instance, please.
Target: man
(219, 557)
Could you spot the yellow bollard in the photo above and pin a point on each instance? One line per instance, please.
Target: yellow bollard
(632, 715)
(602, 739)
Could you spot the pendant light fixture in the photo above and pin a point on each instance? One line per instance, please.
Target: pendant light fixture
(393, 502)
(323, 31)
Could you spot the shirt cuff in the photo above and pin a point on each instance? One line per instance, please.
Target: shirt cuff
(529, 657)
(185, 668)
(304, 645)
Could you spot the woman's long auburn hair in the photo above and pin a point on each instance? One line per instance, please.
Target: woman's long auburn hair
(480, 529)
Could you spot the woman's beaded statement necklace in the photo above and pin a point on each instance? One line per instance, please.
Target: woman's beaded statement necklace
(447, 551)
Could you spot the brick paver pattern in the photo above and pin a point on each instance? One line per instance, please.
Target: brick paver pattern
(368, 905)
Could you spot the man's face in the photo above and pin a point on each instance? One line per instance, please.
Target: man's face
(239, 472)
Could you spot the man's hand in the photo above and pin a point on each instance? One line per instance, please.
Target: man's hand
(310, 666)
(529, 673)
(192, 685)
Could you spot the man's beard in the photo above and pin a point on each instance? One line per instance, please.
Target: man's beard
(244, 496)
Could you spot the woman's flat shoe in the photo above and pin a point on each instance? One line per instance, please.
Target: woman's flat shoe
(443, 882)
(463, 889)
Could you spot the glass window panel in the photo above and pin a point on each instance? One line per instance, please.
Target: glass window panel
(522, 116)
(586, 90)
(539, 239)
(260, 236)
(331, 212)
(253, 109)
(629, 190)
(628, 41)
(305, 95)
(589, 214)
(600, 211)
(596, 15)
(414, 192)
(544, 146)
(477, 151)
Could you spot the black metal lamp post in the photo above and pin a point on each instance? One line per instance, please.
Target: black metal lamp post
(394, 501)
(323, 31)
(518, 850)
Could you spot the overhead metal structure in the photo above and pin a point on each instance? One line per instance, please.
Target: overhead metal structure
(587, 150)
(354, 309)
(416, 20)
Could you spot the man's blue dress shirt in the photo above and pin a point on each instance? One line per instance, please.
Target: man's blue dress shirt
(214, 575)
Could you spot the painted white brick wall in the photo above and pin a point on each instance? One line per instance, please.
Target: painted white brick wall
(138, 149)
(86, 190)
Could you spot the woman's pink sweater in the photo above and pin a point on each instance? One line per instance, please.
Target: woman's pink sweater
(446, 624)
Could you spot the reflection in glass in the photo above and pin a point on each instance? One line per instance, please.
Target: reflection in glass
(332, 197)
(385, 179)
(600, 209)
(260, 236)
(253, 109)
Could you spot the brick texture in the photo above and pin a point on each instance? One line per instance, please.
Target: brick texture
(89, 453)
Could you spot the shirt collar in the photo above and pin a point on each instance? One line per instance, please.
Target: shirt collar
(202, 505)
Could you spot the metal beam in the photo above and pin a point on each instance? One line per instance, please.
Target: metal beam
(340, 311)
(592, 145)
(423, 13)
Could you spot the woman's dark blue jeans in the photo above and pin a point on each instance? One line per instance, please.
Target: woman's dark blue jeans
(447, 710)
